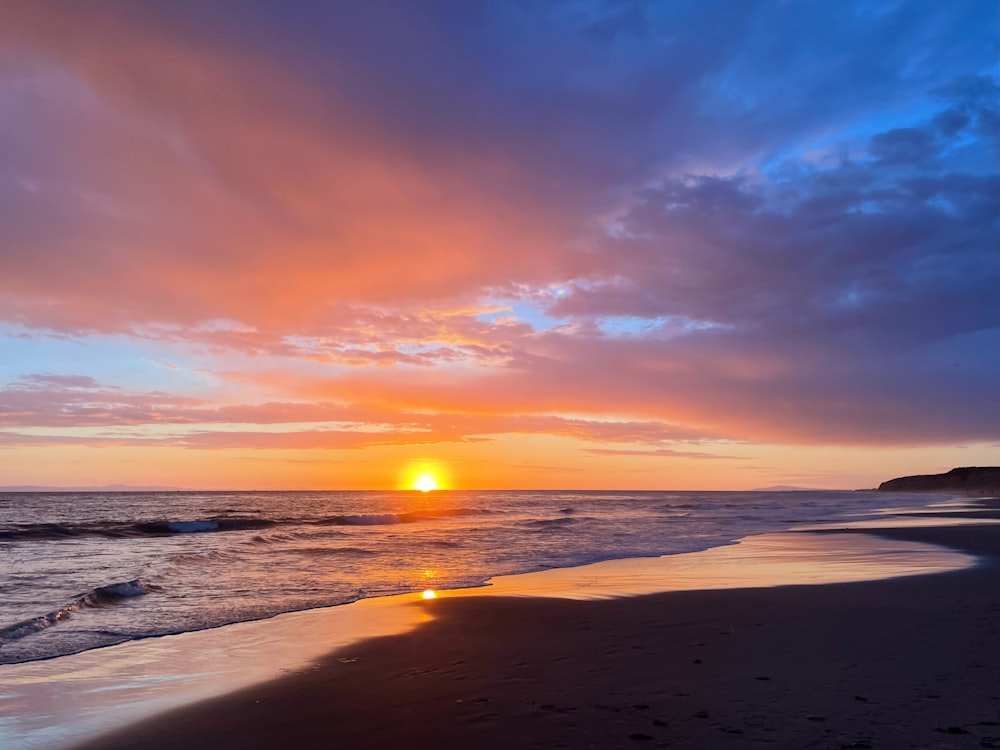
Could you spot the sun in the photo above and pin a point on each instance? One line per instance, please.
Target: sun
(424, 476)
(425, 483)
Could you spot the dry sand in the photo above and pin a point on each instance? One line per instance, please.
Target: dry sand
(909, 662)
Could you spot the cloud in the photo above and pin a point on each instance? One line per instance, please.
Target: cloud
(751, 241)
(384, 177)
(69, 404)
(40, 381)
(658, 453)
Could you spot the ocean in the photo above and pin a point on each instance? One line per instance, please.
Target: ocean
(84, 570)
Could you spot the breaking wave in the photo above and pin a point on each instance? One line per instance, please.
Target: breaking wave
(53, 531)
(113, 530)
(102, 596)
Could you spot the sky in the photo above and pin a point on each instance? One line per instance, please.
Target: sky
(587, 244)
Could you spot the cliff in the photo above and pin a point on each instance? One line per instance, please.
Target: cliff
(976, 480)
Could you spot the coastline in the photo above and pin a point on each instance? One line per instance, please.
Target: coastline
(901, 662)
(216, 561)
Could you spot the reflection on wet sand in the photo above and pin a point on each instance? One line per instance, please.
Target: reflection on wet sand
(57, 702)
(765, 560)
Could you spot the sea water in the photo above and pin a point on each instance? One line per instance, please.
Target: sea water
(84, 570)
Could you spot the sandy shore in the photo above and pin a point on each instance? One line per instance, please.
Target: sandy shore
(909, 662)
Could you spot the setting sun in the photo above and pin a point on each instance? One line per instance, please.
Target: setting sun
(424, 475)
(425, 483)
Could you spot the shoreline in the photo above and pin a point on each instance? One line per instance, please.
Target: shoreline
(212, 665)
(912, 661)
(903, 662)
(272, 602)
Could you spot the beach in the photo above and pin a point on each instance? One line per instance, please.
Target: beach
(460, 374)
(906, 662)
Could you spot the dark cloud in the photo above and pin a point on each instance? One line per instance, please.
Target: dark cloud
(903, 146)
(871, 247)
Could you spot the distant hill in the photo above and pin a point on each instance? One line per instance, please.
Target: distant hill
(105, 488)
(785, 488)
(975, 480)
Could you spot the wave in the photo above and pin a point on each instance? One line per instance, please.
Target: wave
(53, 531)
(348, 551)
(200, 558)
(389, 519)
(101, 596)
(167, 527)
(361, 519)
(200, 526)
(552, 523)
(283, 537)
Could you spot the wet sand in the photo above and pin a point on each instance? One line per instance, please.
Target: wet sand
(910, 662)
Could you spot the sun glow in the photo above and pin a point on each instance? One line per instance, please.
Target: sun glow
(425, 483)
(424, 476)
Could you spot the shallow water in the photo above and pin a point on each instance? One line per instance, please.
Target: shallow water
(56, 702)
(84, 570)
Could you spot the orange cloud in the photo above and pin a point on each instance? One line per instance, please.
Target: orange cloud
(224, 187)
